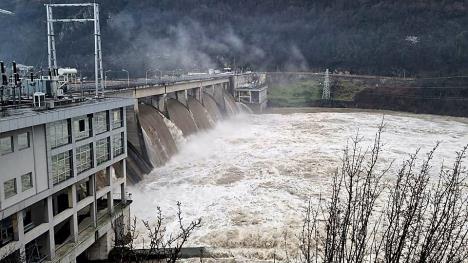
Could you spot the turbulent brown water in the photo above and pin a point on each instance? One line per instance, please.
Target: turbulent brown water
(249, 177)
(243, 108)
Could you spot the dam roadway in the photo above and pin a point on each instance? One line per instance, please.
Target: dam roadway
(140, 89)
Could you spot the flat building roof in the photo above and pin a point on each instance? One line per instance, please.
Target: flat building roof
(18, 118)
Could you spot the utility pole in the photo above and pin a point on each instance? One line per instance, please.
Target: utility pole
(326, 86)
(128, 77)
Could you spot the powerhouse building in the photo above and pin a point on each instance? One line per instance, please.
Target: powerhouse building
(62, 180)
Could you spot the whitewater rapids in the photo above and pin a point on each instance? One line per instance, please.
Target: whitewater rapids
(250, 176)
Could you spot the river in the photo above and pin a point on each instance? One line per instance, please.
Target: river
(250, 176)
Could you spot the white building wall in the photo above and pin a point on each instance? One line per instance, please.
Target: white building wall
(21, 162)
(40, 158)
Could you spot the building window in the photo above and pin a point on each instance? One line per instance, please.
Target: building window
(102, 150)
(61, 201)
(84, 218)
(81, 128)
(10, 188)
(117, 144)
(7, 234)
(102, 179)
(23, 141)
(27, 220)
(58, 133)
(61, 167)
(6, 145)
(81, 125)
(26, 182)
(84, 158)
(117, 118)
(83, 190)
(101, 123)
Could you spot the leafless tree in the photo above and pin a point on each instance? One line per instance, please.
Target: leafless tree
(427, 222)
(14, 257)
(374, 216)
(158, 245)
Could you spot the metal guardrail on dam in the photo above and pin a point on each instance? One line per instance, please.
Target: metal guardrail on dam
(140, 88)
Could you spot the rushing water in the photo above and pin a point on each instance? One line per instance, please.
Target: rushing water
(159, 141)
(249, 177)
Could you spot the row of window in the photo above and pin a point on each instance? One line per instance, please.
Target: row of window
(61, 167)
(7, 144)
(10, 187)
(62, 163)
(58, 133)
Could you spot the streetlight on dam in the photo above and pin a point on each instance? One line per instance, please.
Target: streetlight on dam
(105, 78)
(128, 77)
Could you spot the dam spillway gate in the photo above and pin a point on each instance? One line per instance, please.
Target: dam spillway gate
(163, 114)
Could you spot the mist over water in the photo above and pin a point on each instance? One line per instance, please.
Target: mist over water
(250, 176)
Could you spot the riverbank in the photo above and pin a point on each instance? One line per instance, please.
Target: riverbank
(426, 96)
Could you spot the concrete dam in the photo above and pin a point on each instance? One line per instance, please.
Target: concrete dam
(165, 113)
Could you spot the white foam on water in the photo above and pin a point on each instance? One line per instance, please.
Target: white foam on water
(244, 108)
(249, 177)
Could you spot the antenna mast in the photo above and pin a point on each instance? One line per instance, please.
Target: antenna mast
(98, 70)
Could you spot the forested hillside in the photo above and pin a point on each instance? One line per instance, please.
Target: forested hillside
(424, 37)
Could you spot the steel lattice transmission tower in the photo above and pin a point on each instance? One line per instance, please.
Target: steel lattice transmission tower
(326, 86)
(98, 70)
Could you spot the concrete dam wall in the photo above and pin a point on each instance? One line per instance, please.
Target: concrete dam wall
(154, 129)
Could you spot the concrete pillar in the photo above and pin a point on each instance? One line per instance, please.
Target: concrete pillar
(110, 198)
(92, 188)
(50, 220)
(135, 109)
(123, 186)
(162, 102)
(110, 202)
(101, 248)
(74, 219)
(182, 96)
(154, 101)
(198, 94)
(123, 196)
(20, 232)
(201, 91)
(218, 95)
